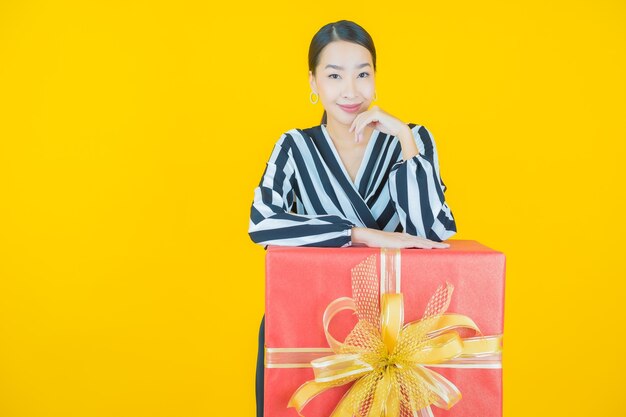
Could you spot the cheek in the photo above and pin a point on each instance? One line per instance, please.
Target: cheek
(369, 88)
(328, 89)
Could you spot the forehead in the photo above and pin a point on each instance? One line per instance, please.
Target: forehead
(345, 54)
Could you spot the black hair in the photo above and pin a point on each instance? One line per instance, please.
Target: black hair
(343, 30)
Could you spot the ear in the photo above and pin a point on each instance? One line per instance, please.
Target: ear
(312, 82)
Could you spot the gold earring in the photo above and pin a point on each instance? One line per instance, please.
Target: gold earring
(375, 96)
(311, 97)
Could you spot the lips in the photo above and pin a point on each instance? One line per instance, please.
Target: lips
(351, 108)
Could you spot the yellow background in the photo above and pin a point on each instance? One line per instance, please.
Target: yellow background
(133, 135)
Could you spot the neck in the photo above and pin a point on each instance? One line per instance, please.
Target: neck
(343, 138)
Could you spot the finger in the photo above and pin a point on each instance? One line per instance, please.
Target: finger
(357, 132)
(439, 244)
(359, 128)
(431, 243)
(354, 123)
(424, 244)
(421, 245)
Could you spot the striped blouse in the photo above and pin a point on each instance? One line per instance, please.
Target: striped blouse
(307, 198)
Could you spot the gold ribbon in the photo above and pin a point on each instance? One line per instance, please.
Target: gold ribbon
(386, 358)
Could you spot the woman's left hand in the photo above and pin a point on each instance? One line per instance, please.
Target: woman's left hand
(379, 120)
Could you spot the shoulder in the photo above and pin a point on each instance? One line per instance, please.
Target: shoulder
(300, 134)
(299, 137)
(288, 138)
(296, 139)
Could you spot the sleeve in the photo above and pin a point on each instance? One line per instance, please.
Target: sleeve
(417, 191)
(272, 223)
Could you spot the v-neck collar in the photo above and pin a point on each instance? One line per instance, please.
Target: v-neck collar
(366, 157)
(329, 154)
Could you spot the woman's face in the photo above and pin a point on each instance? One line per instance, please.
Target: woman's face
(344, 76)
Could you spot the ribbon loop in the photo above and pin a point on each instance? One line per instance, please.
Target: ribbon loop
(335, 367)
(391, 319)
(340, 304)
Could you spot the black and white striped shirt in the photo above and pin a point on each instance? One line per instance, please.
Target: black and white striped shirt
(388, 193)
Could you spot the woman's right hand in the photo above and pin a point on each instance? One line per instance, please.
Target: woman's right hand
(381, 239)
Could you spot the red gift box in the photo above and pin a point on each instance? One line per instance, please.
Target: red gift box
(302, 281)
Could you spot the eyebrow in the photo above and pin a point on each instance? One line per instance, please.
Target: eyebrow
(341, 68)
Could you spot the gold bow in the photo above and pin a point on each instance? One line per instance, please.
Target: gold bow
(386, 358)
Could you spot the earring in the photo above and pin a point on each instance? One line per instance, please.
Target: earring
(311, 97)
(375, 96)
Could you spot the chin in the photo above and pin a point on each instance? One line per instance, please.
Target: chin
(347, 120)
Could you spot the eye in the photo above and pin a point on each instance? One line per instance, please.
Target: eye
(366, 74)
(331, 76)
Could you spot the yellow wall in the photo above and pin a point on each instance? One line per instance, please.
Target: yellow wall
(132, 137)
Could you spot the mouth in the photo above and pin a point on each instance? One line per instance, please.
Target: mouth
(351, 108)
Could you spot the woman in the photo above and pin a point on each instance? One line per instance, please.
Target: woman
(361, 178)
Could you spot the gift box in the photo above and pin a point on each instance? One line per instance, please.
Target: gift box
(305, 283)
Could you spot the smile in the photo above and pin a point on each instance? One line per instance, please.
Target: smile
(350, 109)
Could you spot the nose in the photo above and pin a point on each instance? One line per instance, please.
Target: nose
(349, 89)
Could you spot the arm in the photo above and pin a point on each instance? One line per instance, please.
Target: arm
(271, 223)
(417, 190)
